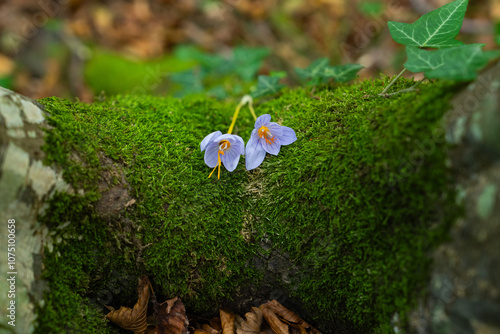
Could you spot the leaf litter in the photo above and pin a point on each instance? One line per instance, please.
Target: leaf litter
(170, 317)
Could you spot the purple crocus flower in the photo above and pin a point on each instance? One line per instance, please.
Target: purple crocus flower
(225, 149)
(267, 137)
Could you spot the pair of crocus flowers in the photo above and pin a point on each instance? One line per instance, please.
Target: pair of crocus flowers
(227, 149)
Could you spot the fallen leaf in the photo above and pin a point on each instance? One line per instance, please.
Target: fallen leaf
(252, 324)
(272, 319)
(171, 317)
(211, 330)
(131, 202)
(267, 331)
(133, 319)
(279, 318)
(215, 323)
(6, 65)
(227, 319)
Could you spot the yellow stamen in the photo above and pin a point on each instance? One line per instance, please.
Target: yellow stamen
(224, 145)
(264, 132)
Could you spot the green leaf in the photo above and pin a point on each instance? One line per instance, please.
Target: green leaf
(6, 82)
(278, 74)
(315, 70)
(436, 29)
(206, 60)
(247, 61)
(219, 92)
(319, 71)
(267, 85)
(497, 33)
(370, 8)
(457, 63)
(190, 82)
(342, 73)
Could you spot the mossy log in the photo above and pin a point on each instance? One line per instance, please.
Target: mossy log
(338, 226)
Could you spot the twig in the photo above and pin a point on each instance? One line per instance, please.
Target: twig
(392, 82)
(406, 90)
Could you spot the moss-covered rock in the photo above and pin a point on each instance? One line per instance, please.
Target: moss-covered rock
(356, 203)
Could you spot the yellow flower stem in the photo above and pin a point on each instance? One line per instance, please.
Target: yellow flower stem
(251, 110)
(237, 111)
(246, 99)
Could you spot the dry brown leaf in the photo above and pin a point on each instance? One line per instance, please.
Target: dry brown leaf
(210, 329)
(227, 319)
(267, 331)
(216, 324)
(252, 324)
(272, 319)
(6, 65)
(290, 318)
(171, 317)
(133, 319)
(152, 330)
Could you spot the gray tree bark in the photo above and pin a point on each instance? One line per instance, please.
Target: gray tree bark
(464, 290)
(25, 186)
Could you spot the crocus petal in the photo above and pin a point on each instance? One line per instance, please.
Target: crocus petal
(230, 159)
(288, 136)
(238, 147)
(276, 129)
(273, 148)
(240, 140)
(206, 140)
(234, 140)
(211, 153)
(262, 120)
(230, 138)
(254, 153)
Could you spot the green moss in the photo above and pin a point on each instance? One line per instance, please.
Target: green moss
(81, 265)
(360, 199)
(345, 201)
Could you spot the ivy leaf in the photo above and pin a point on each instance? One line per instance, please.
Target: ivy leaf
(248, 61)
(319, 71)
(315, 70)
(267, 85)
(219, 92)
(436, 29)
(458, 63)
(342, 73)
(190, 81)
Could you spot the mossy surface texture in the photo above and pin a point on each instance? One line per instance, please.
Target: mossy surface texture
(358, 201)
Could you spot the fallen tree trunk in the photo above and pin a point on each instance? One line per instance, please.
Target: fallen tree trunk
(338, 226)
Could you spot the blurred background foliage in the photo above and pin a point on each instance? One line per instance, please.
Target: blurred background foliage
(86, 49)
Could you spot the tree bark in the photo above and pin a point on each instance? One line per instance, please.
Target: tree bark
(25, 185)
